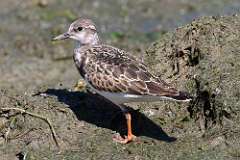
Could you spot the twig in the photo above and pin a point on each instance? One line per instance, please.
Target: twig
(54, 135)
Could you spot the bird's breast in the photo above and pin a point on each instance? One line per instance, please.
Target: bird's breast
(80, 60)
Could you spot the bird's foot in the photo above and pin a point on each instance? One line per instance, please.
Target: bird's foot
(118, 138)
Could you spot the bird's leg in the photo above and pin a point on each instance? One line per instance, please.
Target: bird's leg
(130, 137)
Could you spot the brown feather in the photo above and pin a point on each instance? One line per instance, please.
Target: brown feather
(114, 70)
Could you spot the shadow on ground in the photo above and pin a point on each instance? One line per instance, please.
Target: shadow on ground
(95, 109)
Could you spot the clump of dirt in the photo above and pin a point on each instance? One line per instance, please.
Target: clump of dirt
(203, 58)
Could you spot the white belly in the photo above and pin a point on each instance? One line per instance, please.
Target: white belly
(120, 98)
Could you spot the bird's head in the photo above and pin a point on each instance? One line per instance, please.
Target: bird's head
(81, 30)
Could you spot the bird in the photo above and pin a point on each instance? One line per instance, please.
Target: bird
(116, 74)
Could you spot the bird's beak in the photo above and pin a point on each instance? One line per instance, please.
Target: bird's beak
(62, 36)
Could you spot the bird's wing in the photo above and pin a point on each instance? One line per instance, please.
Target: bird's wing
(114, 70)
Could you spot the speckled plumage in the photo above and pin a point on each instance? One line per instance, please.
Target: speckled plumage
(114, 73)
(110, 69)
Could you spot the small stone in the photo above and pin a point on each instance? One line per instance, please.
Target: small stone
(42, 3)
(79, 86)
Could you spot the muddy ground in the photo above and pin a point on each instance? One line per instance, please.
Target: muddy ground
(38, 76)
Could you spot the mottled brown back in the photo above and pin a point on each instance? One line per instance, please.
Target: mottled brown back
(110, 69)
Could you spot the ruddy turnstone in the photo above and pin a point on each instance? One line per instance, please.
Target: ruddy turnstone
(114, 73)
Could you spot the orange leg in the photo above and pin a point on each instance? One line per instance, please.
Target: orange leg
(130, 137)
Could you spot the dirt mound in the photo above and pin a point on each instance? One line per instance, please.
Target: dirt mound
(203, 58)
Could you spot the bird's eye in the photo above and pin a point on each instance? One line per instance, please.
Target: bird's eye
(79, 28)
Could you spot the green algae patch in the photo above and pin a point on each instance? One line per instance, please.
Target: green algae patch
(49, 15)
